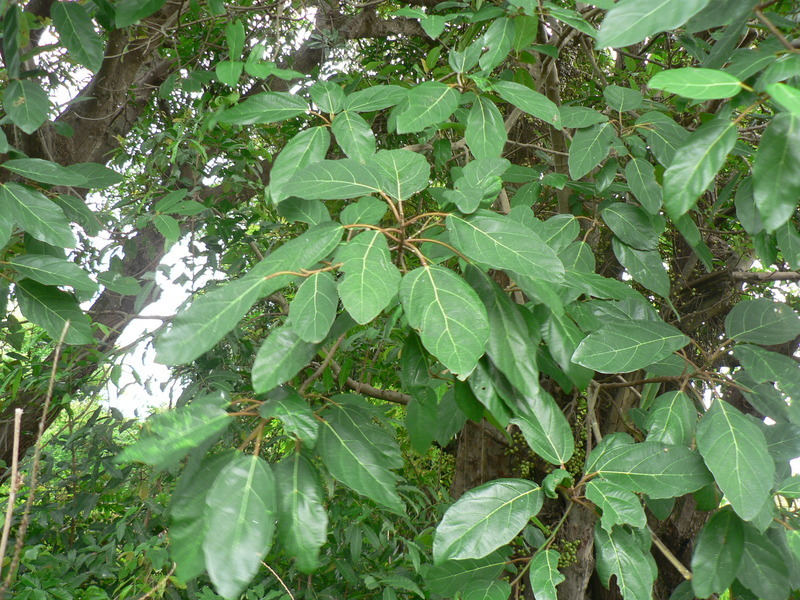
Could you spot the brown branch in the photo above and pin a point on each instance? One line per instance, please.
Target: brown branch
(760, 277)
(360, 387)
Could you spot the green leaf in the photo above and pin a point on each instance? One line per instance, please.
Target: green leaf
(328, 96)
(367, 211)
(589, 147)
(633, 225)
(619, 506)
(776, 171)
(790, 488)
(360, 453)
(313, 309)
(642, 182)
(563, 337)
(544, 575)
(787, 97)
(76, 31)
(450, 318)
(671, 419)
(663, 135)
(698, 84)
(717, 554)
(354, 135)
(400, 173)
(556, 479)
(462, 62)
(26, 104)
(235, 36)
(312, 212)
(429, 104)
(306, 148)
(631, 21)
(375, 98)
(531, 102)
(578, 117)
(128, 12)
(371, 280)
(498, 39)
(486, 131)
(658, 470)
(622, 99)
(168, 227)
(228, 72)
(53, 271)
(333, 180)
(302, 519)
(116, 282)
(485, 518)
(623, 553)
(696, 163)
(789, 242)
(214, 314)
(765, 366)
(174, 433)
(50, 309)
(453, 576)
(544, 427)
(295, 413)
(97, 176)
(571, 17)
(767, 571)
(280, 357)
(762, 321)
(646, 267)
(240, 523)
(495, 590)
(503, 243)
(736, 452)
(38, 216)
(6, 227)
(266, 107)
(625, 347)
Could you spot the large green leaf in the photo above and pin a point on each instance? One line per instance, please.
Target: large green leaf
(302, 519)
(646, 267)
(503, 243)
(786, 96)
(428, 104)
(544, 574)
(53, 271)
(401, 173)
(619, 505)
(776, 170)
(40, 217)
(764, 366)
(633, 225)
(453, 576)
(45, 171)
(578, 117)
(671, 419)
(631, 21)
(717, 554)
(530, 101)
(642, 182)
(360, 453)
(766, 570)
(266, 107)
(26, 104)
(498, 40)
(485, 518)
(664, 136)
(293, 410)
(50, 308)
(625, 554)
(622, 99)
(699, 84)
(375, 98)
(332, 180)
(240, 523)
(589, 147)
(762, 321)
(544, 427)
(371, 280)
(312, 212)
(658, 470)
(280, 357)
(213, 315)
(313, 309)
(76, 31)
(486, 131)
(367, 211)
(304, 149)
(736, 452)
(625, 347)
(563, 337)
(128, 12)
(451, 320)
(696, 163)
(354, 135)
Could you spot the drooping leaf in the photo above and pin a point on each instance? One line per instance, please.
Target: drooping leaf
(762, 321)
(302, 519)
(429, 104)
(360, 453)
(664, 136)
(168, 227)
(313, 309)
(280, 357)
(764, 366)
(26, 104)
(453, 576)
(486, 132)
(485, 518)
(371, 280)
(531, 102)
(401, 173)
(498, 39)
(128, 12)
(642, 182)
(45, 171)
(589, 147)
(717, 554)
(544, 427)
(544, 575)
(619, 506)
(646, 267)
(699, 84)
(625, 554)
(786, 96)
(240, 522)
(304, 149)
(696, 163)
(671, 419)
(767, 571)
(563, 337)
(212, 315)
(776, 170)
(76, 32)
(293, 410)
(332, 180)
(736, 452)
(631, 21)
(50, 308)
(354, 135)
(633, 225)
(38, 216)
(266, 107)
(451, 320)
(53, 271)
(625, 347)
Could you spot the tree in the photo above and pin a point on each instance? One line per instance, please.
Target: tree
(555, 239)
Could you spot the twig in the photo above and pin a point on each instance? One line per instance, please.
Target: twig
(321, 369)
(12, 492)
(160, 584)
(271, 570)
(687, 574)
(360, 387)
(775, 31)
(772, 276)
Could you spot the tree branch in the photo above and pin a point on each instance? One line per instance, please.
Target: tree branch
(367, 390)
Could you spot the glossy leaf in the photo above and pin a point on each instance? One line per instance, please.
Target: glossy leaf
(214, 314)
(671, 419)
(698, 84)
(485, 518)
(619, 506)
(623, 553)
(26, 104)
(776, 171)
(354, 135)
(280, 357)
(544, 575)
(50, 308)
(401, 173)
(762, 321)
(486, 132)
(736, 452)
(304, 149)
(240, 523)
(313, 309)
(631, 21)
(429, 104)
(53, 271)
(544, 427)
(302, 519)
(293, 410)
(531, 102)
(642, 182)
(38, 216)
(451, 320)
(625, 347)
(717, 554)
(332, 180)
(266, 107)
(696, 163)
(589, 147)
(371, 280)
